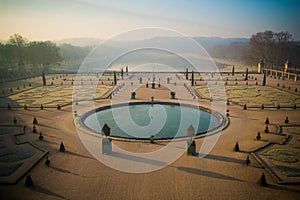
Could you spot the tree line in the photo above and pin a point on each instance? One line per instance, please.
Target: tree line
(19, 51)
(274, 48)
(20, 58)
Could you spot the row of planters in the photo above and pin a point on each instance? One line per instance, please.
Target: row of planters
(58, 107)
(173, 95)
(294, 106)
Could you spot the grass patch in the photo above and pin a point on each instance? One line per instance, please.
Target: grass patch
(54, 95)
(283, 155)
(15, 155)
(284, 158)
(294, 130)
(8, 170)
(290, 171)
(253, 95)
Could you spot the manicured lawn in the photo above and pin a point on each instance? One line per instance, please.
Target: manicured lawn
(54, 95)
(253, 95)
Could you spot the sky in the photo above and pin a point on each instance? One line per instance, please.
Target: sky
(58, 19)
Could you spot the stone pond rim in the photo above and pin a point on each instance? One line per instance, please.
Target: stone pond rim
(222, 123)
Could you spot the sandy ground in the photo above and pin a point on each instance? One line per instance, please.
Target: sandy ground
(222, 174)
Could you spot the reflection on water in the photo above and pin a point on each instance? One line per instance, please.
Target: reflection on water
(160, 120)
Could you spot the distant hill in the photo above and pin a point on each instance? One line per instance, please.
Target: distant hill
(204, 41)
(80, 42)
(218, 41)
(75, 50)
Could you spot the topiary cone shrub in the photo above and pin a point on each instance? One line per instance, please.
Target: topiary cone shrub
(34, 121)
(262, 181)
(236, 147)
(28, 181)
(267, 121)
(62, 147)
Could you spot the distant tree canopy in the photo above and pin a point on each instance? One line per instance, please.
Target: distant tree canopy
(274, 48)
(73, 53)
(19, 51)
(235, 50)
(17, 40)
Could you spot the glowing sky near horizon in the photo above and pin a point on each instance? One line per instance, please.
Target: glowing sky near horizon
(57, 19)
